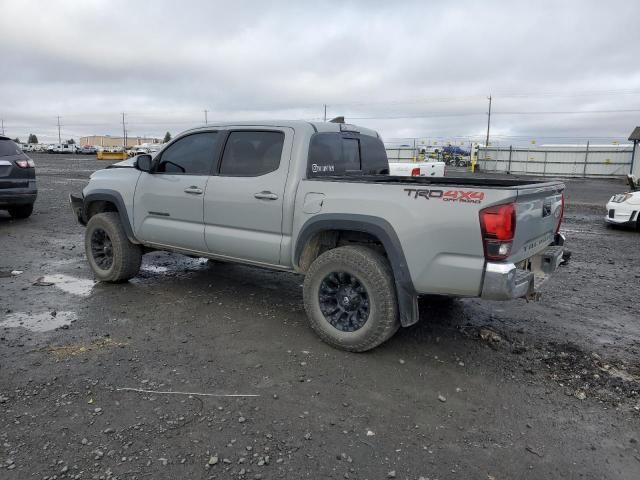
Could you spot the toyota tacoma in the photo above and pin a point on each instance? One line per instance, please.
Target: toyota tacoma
(317, 199)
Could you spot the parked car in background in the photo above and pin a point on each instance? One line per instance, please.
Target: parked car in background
(150, 148)
(624, 208)
(17, 180)
(417, 169)
(87, 150)
(138, 151)
(66, 148)
(62, 148)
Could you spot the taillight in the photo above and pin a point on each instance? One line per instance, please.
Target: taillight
(561, 213)
(415, 172)
(498, 225)
(25, 163)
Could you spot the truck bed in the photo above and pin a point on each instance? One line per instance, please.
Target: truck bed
(437, 220)
(476, 182)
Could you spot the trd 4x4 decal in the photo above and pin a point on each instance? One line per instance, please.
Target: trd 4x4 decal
(462, 196)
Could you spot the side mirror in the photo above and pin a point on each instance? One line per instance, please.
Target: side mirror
(143, 162)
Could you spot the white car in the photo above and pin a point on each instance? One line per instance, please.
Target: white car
(624, 208)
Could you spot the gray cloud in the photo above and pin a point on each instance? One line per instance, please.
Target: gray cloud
(433, 63)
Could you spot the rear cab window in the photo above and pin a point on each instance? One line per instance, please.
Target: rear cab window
(346, 153)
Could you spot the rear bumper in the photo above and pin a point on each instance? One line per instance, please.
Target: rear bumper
(16, 197)
(505, 281)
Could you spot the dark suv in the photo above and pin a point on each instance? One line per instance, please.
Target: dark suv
(17, 180)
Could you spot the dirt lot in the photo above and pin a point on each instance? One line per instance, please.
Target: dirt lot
(477, 390)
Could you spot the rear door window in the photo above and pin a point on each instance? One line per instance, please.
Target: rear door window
(250, 153)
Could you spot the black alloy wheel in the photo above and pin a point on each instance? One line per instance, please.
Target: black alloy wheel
(344, 301)
(102, 249)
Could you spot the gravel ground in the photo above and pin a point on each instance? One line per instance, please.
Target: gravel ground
(486, 390)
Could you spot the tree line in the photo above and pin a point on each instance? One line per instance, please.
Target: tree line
(34, 139)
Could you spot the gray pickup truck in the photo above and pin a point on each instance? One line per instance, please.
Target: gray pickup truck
(317, 199)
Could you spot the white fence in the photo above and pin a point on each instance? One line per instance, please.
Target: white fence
(401, 154)
(556, 160)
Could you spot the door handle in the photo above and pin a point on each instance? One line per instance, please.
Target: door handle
(193, 190)
(264, 195)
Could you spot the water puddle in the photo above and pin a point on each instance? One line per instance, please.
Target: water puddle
(154, 268)
(171, 265)
(76, 286)
(38, 322)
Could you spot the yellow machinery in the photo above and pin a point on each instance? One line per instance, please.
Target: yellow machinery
(102, 155)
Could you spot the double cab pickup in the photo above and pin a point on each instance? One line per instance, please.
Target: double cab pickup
(316, 198)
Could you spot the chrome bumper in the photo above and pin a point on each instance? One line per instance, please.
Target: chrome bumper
(505, 281)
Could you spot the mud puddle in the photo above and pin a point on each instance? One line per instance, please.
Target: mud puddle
(38, 322)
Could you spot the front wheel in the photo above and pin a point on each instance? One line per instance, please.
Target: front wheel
(350, 298)
(112, 257)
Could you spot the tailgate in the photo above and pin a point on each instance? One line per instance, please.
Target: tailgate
(12, 176)
(539, 210)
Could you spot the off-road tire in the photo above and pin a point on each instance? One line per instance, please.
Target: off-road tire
(374, 272)
(127, 256)
(22, 211)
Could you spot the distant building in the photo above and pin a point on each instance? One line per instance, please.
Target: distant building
(109, 141)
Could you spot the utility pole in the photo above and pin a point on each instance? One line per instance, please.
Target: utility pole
(325, 112)
(3, 126)
(124, 133)
(59, 137)
(206, 121)
(486, 145)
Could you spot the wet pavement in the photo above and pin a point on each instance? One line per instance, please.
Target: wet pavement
(89, 371)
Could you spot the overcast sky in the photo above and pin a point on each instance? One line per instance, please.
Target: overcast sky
(408, 69)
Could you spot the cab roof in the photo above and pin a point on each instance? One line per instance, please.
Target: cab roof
(295, 124)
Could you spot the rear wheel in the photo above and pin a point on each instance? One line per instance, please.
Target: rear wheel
(22, 211)
(350, 298)
(112, 257)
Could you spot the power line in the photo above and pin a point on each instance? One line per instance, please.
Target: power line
(569, 112)
(470, 114)
(440, 98)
